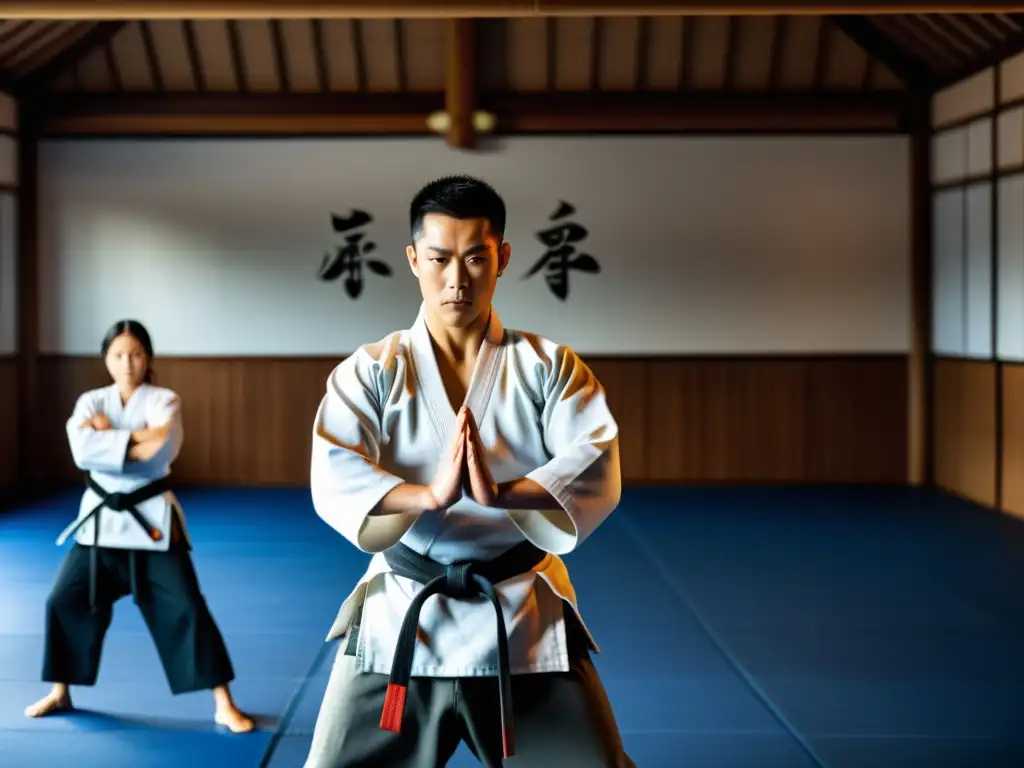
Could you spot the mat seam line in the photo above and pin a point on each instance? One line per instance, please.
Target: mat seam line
(730, 659)
(293, 703)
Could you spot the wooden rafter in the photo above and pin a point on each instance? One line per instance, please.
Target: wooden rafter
(96, 37)
(194, 63)
(780, 36)
(398, 30)
(924, 51)
(909, 69)
(993, 56)
(643, 59)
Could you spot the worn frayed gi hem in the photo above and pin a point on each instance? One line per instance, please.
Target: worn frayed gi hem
(563, 719)
(190, 646)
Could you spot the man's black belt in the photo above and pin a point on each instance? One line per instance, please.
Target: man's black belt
(458, 580)
(124, 503)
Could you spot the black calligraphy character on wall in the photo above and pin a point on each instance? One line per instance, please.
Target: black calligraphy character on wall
(561, 256)
(347, 259)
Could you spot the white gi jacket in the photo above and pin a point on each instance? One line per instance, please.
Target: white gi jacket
(104, 455)
(386, 419)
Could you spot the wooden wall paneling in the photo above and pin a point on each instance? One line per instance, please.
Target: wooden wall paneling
(60, 381)
(673, 436)
(965, 428)
(753, 420)
(247, 421)
(1013, 439)
(691, 420)
(811, 420)
(856, 420)
(218, 423)
(627, 385)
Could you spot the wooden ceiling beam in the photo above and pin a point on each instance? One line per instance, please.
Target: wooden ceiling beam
(460, 95)
(310, 114)
(699, 112)
(348, 9)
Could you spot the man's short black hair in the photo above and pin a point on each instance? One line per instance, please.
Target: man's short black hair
(461, 197)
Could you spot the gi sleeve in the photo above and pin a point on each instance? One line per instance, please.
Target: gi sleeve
(346, 482)
(583, 474)
(92, 450)
(166, 411)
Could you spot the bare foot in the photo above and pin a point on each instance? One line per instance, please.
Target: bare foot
(229, 715)
(233, 719)
(57, 700)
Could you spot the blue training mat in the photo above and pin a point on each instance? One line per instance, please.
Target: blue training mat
(738, 627)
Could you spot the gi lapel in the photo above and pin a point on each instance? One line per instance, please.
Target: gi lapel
(481, 384)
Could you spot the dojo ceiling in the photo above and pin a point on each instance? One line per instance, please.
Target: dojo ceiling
(566, 53)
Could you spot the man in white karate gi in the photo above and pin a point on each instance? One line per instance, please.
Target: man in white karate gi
(467, 457)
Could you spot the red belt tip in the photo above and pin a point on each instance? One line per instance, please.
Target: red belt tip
(507, 745)
(394, 704)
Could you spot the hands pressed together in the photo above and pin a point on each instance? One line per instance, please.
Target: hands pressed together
(463, 468)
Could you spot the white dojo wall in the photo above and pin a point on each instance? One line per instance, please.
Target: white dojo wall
(735, 245)
(968, 254)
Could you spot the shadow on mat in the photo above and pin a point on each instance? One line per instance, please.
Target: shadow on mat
(92, 720)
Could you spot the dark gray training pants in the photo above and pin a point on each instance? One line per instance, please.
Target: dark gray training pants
(561, 719)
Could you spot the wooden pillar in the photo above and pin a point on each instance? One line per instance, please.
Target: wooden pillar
(28, 298)
(919, 373)
(461, 83)
(997, 364)
(10, 364)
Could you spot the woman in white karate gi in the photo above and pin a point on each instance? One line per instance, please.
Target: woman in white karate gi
(467, 458)
(130, 538)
